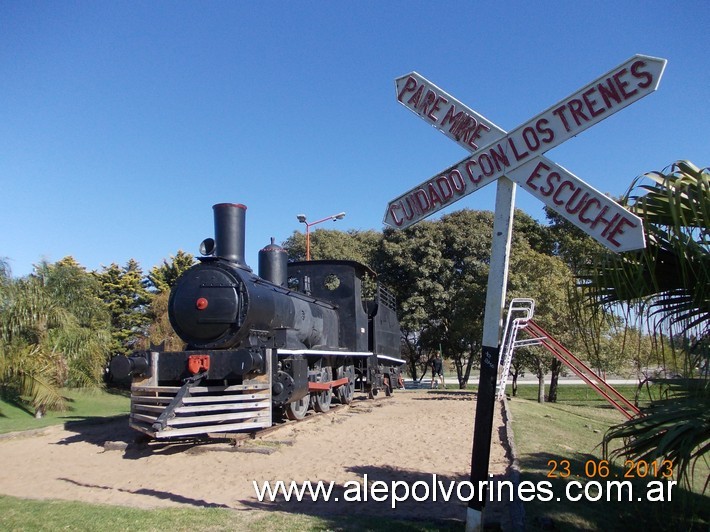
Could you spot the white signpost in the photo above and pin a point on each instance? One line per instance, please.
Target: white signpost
(516, 157)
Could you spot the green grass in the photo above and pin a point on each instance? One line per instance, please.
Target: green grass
(22, 514)
(572, 430)
(82, 404)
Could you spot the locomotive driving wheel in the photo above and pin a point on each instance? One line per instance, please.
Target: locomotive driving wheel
(346, 391)
(296, 410)
(321, 400)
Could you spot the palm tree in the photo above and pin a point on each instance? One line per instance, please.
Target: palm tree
(669, 283)
(54, 332)
(30, 370)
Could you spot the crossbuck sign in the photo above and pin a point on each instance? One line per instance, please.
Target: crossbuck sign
(518, 154)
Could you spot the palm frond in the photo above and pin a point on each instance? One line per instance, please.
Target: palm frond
(670, 279)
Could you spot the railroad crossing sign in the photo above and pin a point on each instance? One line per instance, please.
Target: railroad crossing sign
(518, 154)
(511, 158)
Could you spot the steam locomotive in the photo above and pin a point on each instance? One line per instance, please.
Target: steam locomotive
(262, 347)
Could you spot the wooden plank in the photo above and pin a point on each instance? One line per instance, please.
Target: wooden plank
(201, 389)
(147, 408)
(234, 388)
(154, 389)
(218, 418)
(151, 400)
(141, 417)
(143, 429)
(192, 431)
(225, 398)
(217, 407)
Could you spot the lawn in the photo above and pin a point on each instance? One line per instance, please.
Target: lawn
(563, 439)
(83, 404)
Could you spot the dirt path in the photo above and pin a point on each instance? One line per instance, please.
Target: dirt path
(407, 437)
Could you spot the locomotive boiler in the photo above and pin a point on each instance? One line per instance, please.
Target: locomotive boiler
(260, 347)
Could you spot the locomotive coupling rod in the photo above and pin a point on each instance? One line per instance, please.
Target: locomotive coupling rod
(325, 386)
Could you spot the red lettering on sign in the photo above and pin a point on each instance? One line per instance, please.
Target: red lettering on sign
(535, 174)
(539, 125)
(409, 86)
(530, 138)
(414, 100)
(445, 188)
(469, 170)
(486, 165)
(428, 100)
(435, 108)
(476, 133)
(575, 107)
(638, 73)
(434, 197)
(457, 181)
(600, 219)
(590, 103)
(464, 127)
(581, 215)
(422, 200)
(550, 187)
(393, 213)
(622, 84)
(564, 184)
(560, 113)
(619, 229)
(608, 92)
(452, 117)
(518, 156)
(581, 203)
(500, 157)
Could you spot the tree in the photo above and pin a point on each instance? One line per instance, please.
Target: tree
(669, 283)
(331, 244)
(124, 293)
(410, 263)
(545, 279)
(162, 278)
(54, 332)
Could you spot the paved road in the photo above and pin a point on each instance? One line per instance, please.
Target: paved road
(426, 383)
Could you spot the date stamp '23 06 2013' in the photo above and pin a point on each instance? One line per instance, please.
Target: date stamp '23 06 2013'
(596, 469)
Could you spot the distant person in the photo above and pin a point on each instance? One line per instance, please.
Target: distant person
(437, 370)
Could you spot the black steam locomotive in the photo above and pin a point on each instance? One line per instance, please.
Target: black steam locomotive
(264, 346)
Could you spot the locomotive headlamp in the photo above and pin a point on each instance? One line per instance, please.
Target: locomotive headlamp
(201, 303)
(207, 246)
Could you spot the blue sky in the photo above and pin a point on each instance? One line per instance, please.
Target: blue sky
(122, 123)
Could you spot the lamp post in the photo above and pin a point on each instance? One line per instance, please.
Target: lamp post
(302, 219)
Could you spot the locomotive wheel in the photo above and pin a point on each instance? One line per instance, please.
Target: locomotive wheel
(296, 410)
(321, 400)
(346, 391)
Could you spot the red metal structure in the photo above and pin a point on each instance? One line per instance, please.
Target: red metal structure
(538, 336)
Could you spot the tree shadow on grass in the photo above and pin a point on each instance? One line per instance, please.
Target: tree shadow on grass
(623, 492)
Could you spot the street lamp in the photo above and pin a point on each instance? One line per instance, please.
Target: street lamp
(302, 219)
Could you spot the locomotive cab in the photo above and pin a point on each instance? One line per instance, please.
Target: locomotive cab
(368, 319)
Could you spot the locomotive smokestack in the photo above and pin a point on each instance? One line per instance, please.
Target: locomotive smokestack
(229, 231)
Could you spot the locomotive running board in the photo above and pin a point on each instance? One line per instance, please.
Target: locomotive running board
(354, 354)
(164, 412)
